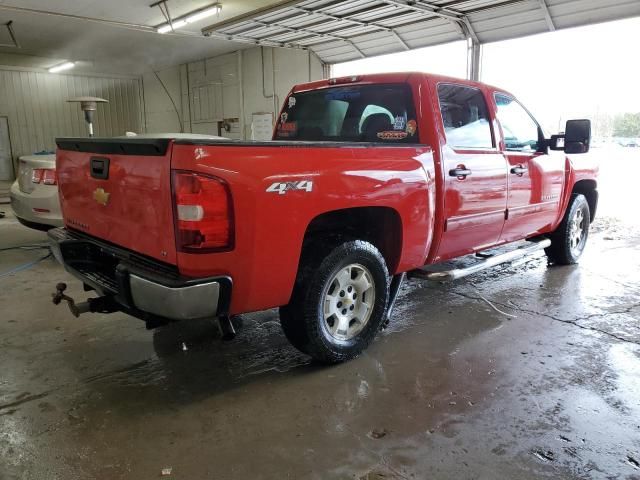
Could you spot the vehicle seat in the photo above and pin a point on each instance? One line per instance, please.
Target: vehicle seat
(374, 124)
(452, 117)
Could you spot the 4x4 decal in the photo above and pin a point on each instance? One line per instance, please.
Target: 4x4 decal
(283, 187)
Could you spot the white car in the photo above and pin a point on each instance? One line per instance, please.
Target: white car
(34, 195)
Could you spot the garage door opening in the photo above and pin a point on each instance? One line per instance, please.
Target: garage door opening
(558, 76)
(581, 73)
(449, 59)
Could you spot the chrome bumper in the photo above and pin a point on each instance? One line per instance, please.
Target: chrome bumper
(181, 303)
(141, 286)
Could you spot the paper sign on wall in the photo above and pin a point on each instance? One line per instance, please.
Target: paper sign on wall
(261, 126)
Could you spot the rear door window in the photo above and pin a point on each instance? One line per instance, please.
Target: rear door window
(356, 113)
(465, 116)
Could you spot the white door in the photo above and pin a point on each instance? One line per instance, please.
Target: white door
(6, 162)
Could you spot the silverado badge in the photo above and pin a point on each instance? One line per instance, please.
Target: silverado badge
(100, 196)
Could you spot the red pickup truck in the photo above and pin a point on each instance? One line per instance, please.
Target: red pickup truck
(368, 177)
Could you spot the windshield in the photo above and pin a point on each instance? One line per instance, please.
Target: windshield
(363, 113)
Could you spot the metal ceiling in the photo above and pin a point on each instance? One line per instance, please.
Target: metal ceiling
(110, 36)
(343, 30)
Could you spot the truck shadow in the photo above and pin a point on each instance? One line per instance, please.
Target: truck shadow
(259, 347)
(191, 364)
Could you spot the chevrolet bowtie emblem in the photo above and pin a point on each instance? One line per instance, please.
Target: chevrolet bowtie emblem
(100, 196)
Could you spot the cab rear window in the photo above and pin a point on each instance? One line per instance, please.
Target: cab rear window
(362, 113)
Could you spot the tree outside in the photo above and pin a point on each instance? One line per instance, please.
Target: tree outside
(627, 125)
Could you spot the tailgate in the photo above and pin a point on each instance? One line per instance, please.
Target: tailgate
(119, 190)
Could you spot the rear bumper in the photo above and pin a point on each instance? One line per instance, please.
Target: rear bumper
(143, 287)
(44, 199)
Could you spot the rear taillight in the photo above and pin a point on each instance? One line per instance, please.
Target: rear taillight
(45, 176)
(36, 175)
(49, 177)
(203, 213)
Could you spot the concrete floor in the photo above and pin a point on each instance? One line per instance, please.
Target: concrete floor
(522, 372)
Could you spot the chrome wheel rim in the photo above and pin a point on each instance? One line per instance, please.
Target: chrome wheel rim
(577, 232)
(348, 301)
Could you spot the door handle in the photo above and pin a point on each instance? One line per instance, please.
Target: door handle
(459, 172)
(99, 168)
(519, 170)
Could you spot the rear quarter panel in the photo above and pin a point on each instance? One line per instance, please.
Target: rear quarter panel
(270, 227)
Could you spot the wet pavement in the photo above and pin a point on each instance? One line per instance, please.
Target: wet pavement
(524, 371)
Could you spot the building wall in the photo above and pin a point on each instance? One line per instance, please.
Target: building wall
(215, 95)
(165, 108)
(36, 106)
(220, 95)
(267, 76)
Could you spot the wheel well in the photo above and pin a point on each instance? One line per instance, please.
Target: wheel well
(380, 226)
(588, 188)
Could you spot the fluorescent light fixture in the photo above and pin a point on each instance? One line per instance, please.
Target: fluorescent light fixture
(207, 12)
(167, 28)
(61, 67)
(190, 18)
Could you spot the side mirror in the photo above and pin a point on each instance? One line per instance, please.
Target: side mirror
(575, 139)
(577, 136)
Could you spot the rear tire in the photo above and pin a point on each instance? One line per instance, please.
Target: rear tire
(570, 238)
(339, 303)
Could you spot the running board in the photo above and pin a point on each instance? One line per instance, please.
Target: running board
(492, 261)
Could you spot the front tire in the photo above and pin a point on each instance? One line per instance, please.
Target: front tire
(570, 238)
(339, 303)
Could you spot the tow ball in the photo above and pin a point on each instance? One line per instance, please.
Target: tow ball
(101, 304)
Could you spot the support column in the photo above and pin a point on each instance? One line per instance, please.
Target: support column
(474, 59)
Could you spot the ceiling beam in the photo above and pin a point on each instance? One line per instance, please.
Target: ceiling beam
(495, 6)
(249, 23)
(410, 5)
(114, 23)
(329, 36)
(400, 40)
(424, 7)
(469, 30)
(249, 16)
(547, 15)
(12, 35)
(457, 19)
(353, 21)
(307, 28)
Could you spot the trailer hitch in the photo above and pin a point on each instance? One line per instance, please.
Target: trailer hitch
(104, 304)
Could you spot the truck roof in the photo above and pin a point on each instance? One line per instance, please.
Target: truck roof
(373, 78)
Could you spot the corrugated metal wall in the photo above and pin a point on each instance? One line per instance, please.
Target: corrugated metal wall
(38, 112)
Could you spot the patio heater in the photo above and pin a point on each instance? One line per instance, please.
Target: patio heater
(88, 105)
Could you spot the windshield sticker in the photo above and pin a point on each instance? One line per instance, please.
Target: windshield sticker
(284, 117)
(399, 123)
(292, 102)
(287, 129)
(392, 135)
(412, 127)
